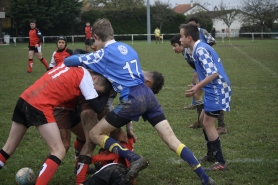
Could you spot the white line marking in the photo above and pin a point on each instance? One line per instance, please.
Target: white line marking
(258, 62)
(238, 160)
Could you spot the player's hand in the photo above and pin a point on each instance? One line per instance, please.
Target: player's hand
(191, 91)
(37, 45)
(130, 134)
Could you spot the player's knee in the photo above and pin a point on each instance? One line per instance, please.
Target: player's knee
(94, 136)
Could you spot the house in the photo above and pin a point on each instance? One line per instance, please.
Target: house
(189, 9)
(218, 24)
(221, 27)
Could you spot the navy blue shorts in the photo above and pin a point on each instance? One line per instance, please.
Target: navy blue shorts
(141, 101)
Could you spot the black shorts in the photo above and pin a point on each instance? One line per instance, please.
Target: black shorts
(88, 42)
(110, 174)
(66, 118)
(214, 114)
(33, 48)
(26, 114)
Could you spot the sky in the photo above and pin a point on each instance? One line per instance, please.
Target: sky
(212, 3)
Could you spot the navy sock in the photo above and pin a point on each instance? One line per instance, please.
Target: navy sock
(188, 157)
(209, 149)
(217, 152)
(113, 146)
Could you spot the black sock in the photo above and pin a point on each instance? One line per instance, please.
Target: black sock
(217, 152)
(209, 152)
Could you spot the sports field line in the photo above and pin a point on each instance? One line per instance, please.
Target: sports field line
(234, 87)
(257, 62)
(238, 160)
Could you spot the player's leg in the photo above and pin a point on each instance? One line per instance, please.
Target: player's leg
(39, 55)
(99, 135)
(92, 46)
(80, 138)
(213, 141)
(18, 129)
(198, 101)
(65, 136)
(88, 120)
(221, 125)
(86, 45)
(31, 53)
(167, 135)
(51, 134)
(16, 134)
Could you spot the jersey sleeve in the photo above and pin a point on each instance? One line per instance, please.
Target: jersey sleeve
(39, 34)
(73, 61)
(206, 61)
(52, 63)
(210, 40)
(94, 61)
(87, 86)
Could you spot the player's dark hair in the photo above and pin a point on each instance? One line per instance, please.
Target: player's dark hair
(87, 22)
(103, 29)
(158, 81)
(176, 39)
(192, 30)
(195, 19)
(103, 82)
(33, 21)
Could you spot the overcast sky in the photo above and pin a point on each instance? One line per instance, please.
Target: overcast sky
(229, 3)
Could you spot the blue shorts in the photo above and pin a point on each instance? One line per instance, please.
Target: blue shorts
(141, 101)
(213, 102)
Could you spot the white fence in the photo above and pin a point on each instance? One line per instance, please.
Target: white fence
(15, 39)
(223, 36)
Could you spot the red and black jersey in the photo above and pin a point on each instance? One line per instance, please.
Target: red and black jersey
(88, 32)
(59, 56)
(35, 37)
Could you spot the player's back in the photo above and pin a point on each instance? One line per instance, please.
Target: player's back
(55, 87)
(118, 62)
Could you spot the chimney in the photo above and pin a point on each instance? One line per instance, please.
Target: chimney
(191, 3)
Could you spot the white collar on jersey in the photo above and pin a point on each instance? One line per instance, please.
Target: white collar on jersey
(194, 47)
(110, 42)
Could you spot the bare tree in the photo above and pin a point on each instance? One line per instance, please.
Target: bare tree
(228, 15)
(162, 13)
(261, 12)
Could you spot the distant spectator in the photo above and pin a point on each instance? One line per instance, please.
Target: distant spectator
(213, 32)
(157, 35)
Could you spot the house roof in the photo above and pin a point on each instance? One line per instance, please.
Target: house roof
(181, 8)
(214, 14)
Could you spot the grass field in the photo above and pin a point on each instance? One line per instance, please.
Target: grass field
(250, 147)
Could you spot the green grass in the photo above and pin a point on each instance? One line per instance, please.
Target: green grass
(250, 146)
